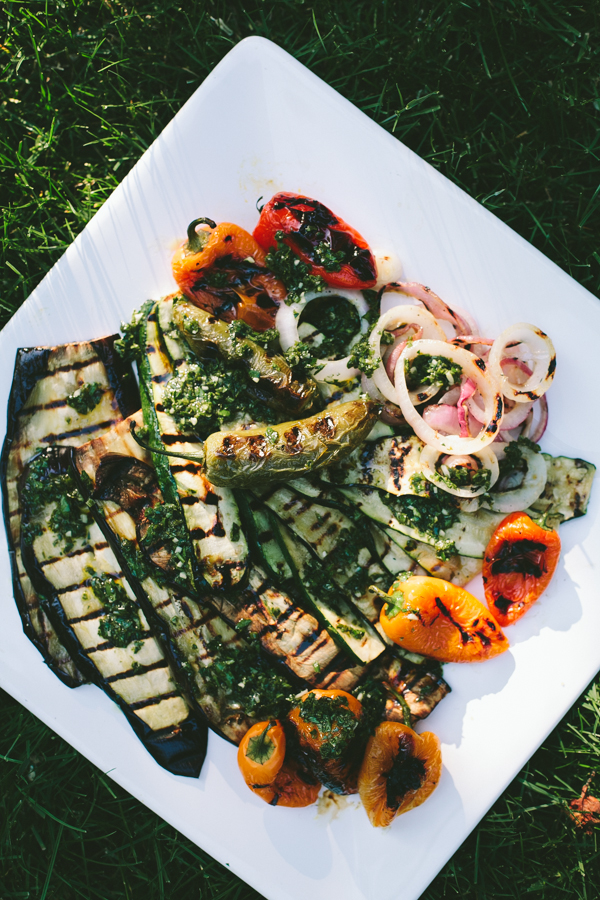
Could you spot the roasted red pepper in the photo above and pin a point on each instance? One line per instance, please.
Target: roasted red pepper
(335, 251)
(222, 270)
(519, 562)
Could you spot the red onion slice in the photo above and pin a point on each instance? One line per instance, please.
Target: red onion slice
(543, 357)
(397, 318)
(433, 303)
(473, 368)
(537, 430)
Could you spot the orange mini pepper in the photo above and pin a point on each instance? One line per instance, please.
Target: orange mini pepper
(222, 270)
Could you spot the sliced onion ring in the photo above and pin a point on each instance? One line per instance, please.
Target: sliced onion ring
(473, 368)
(543, 361)
(394, 318)
(429, 457)
(532, 487)
(287, 320)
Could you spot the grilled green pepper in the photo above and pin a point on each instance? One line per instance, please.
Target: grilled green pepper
(277, 452)
(272, 379)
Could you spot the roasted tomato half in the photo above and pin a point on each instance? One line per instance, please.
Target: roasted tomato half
(519, 562)
(335, 251)
(400, 769)
(438, 619)
(325, 726)
(222, 270)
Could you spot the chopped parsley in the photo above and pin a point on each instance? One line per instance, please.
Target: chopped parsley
(241, 329)
(85, 398)
(356, 633)
(294, 273)
(337, 320)
(514, 460)
(431, 515)
(167, 530)
(463, 476)
(335, 723)
(209, 394)
(363, 358)
(426, 369)
(245, 676)
(121, 620)
(129, 347)
(69, 519)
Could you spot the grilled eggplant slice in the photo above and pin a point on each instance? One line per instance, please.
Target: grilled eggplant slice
(122, 487)
(220, 551)
(97, 615)
(67, 393)
(567, 490)
(413, 686)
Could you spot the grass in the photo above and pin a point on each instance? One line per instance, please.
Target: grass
(502, 97)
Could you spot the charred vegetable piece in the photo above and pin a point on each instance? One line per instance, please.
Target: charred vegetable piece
(567, 490)
(270, 378)
(412, 686)
(219, 548)
(344, 554)
(425, 518)
(326, 728)
(292, 636)
(430, 616)
(348, 627)
(397, 550)
(222, 269)
(122, 487)
(40, 412)
(388, 464)
(260, 456)
(400, 770)
(97, 615)
(519, 563)
(327, 247)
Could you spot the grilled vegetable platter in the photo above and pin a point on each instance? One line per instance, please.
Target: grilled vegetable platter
(256, 510)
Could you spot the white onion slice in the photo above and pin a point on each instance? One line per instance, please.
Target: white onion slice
(511, 418)
(287, 320)
(395, 318)
(533, 486)
(472, 367)
(429, 457)
(543, 361)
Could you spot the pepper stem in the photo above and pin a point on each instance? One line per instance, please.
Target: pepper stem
(197, 240)
(193, 457)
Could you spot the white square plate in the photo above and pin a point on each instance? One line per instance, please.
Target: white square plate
(260, 123)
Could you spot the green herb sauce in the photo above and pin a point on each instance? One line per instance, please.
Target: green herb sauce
(85, 398)
(70, 518)
(425, 369)
(336, 724)
(121, 621)
(295, 274)
(432, 515)
(246, 677)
